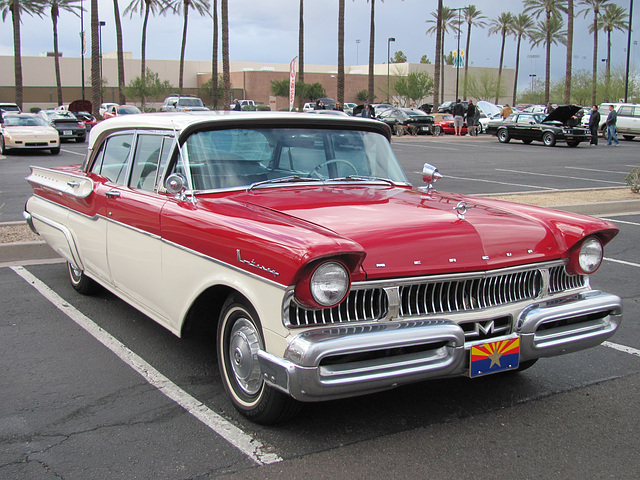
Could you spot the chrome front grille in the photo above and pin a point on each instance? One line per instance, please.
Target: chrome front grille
(407, 298)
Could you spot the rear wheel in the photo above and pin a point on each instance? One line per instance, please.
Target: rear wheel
(605, 133)
(81, 139)
(239, 340)
(3, 150)
(80, 282)
(437, 130)
(549, 139)
(503, 135)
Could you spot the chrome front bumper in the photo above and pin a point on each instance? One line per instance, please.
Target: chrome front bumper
(351, 360)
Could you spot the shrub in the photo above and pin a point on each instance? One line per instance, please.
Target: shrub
(633, 180)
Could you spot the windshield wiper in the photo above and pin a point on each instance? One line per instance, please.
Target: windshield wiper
(362, 177)
(290, 179)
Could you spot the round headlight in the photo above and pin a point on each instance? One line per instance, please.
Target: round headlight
(590, 255)
(329, 284)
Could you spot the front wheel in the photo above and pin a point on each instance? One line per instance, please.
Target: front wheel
(80, 282)
(549, 139)
(3, 149)
(55, 151)
(239, 340)
(81, 139)
(503, 135)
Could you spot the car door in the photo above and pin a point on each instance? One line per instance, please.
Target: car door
(625, 119)
(134, 206)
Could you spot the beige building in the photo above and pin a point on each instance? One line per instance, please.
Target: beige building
(249, 80)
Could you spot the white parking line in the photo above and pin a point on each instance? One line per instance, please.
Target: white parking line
(623, 262)
(476, 180)
(596, 170)
(557, 176)
(248, 445)
(621, 221)
(622, 348)
(75, 153)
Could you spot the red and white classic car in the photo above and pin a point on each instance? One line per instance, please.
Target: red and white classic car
(298, 239)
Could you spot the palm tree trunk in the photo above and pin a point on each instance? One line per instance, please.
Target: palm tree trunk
(547, 72)
(144, 53)
(17, 56)
(96, 81)
(301, 54)
(594, 77)
(214, 58)
(340, 51)
(185, 6)
(116, 14)
(504, 38)
(442, 67)
(607, 77)
(466, 63)
(372, 35)
(56, 61)
(226, 76)
(515, 80)
(436, 67)
(567, 78)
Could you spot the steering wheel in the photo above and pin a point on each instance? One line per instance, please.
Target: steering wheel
(314, 172)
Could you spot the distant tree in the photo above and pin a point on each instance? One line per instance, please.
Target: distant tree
(340, 82)
(473, 18)
(209, 88)
(444, 21)
(362, 96)
(399, 57)
(201, 7)
(96, 80)
(449, 58)
(414, 87)
(280, 88)
(484, 86)
(547, 34)
(17, 8)
(311, 91)
(613, 18)
(55, 6)
(569, 58)
(594, 6)
(301, 51)
(501, 25)
(214, 56)
(425, 59)
(148, 87)
(226, 73)
(120, 53)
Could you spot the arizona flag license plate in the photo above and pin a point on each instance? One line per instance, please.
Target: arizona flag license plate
(494, 357)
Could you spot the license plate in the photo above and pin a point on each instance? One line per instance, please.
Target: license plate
(67, 133)
(494, 357)
(425, 128)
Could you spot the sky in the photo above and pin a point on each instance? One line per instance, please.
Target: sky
(267, 31)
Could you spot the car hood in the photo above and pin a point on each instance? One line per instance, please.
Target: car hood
(489, 109)
(562, 114)
(31, 131)
(412, 232)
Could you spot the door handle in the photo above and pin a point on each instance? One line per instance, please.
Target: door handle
(112, 194)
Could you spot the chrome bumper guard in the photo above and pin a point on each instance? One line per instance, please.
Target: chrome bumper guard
(340, 362)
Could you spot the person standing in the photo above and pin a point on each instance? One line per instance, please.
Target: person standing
(366, 112)
(458, 117)
(471, 118)
(612, 119)
(594, 125)
(506, 111)
(549, 109)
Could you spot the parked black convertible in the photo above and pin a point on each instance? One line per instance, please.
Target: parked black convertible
(561, 125)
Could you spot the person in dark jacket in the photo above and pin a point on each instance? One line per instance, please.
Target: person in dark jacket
(612, 120)
(594, 125)
(471, 119)
(458, 117)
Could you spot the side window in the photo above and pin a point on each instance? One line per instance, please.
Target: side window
(112, 160)
(626, 111)
(637, 112)
(145, 162)
(525, 119)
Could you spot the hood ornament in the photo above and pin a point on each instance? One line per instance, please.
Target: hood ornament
(462, 207)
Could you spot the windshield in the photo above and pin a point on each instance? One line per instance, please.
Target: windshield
(24, 121)
(244, 156)
(190, 102)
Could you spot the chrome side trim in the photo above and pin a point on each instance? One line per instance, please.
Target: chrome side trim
(73, 247)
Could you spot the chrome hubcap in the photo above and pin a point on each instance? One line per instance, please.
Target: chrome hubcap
(244, 344)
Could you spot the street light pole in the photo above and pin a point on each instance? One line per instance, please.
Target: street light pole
(533, 76)
(357, 45)
(101, 23)
(626, 77)
(391, 39)
(82, 44)
(458, 52)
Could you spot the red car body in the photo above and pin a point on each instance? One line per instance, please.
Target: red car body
(324, 272)
(445, 122)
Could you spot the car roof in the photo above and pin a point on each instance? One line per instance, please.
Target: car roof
(180, 121)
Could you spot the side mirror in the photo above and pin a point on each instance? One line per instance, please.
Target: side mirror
(430, 174)
(175, 183)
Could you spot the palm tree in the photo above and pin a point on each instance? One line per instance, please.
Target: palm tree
(521, 26)
(550, 9)
(146, 8)
(474, 18)
(569, 60)
(116, 14)
(96, 81)
(226, 75)
(301, 52)
(372, 36)
(594, 6)
(613, 18)
(436, 67)
(55, 7)
(503, 26)
(548, 33)
(17, 8)
(448, 23)
(214, 57)
(341, 51)
(201, 7)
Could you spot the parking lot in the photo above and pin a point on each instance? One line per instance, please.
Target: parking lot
(93, 388)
